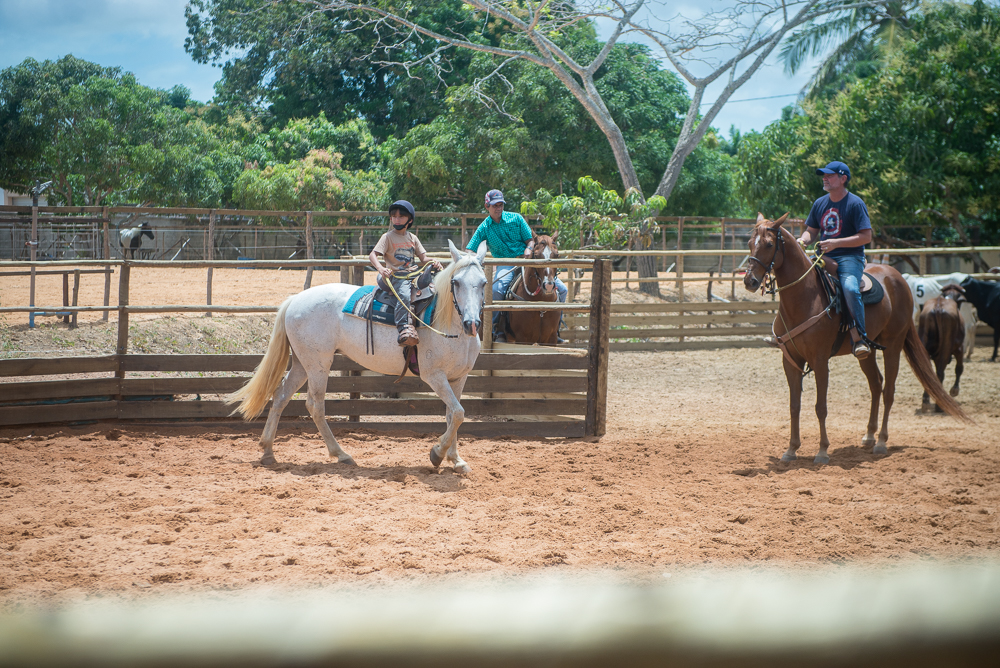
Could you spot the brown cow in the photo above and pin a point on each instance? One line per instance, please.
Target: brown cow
(942, 331)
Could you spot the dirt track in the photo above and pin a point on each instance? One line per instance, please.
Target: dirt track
(688, 474)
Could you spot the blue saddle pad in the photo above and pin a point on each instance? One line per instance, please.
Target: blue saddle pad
(382, 312)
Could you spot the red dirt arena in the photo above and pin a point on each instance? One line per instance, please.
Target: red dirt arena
(688, 474)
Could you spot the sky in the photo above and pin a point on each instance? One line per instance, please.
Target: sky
(146, 37)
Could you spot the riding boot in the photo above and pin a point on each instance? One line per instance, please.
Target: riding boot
(859, 348)
(408, 335)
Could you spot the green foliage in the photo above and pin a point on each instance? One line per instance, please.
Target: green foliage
(315, 183)
(922, 137)
(597, 217)
(289, 61)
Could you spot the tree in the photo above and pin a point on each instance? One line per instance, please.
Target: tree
(315, 183)
(865, 35)
(745, 34)
(922, 137)
(289, 62)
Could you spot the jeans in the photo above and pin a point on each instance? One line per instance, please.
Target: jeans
(401, 314)
(504, 277)
(849, 272)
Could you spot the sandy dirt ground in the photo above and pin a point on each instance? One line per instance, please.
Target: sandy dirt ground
(688, 474)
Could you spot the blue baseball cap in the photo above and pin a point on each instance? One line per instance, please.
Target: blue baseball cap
(835, 167)
(494, 197)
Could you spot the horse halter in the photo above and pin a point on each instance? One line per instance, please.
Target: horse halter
(454, 299)
(768, 283)
(542, 282)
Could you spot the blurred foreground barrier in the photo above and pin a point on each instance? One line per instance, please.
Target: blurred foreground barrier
(927, 616)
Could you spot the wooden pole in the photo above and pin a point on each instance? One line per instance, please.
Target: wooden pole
(76, 296)
(121, 349)
(488, 326)
(32, 249)
(923, 256)
(663, 239)
(465, 231)
(107, 256)
(65, 277)
(210, 255)
(309, 248)
(599, 350)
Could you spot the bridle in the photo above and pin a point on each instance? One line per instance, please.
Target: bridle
(454, 300)
(768, 283)
(542, 282)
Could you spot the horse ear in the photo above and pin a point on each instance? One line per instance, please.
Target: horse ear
(781, 220)
(481, 252)
(760, 218)
(455, 254)
(555, 235)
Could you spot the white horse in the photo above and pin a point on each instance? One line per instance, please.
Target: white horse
(313, 324)
(926, 288)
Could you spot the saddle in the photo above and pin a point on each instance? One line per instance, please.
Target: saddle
(422, 293)
(872, 292)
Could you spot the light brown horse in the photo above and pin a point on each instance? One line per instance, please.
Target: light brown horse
(803, 312)
(537, 284)
(942, 331)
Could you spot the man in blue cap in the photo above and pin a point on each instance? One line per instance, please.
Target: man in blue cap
(840, 220)
(506, 234)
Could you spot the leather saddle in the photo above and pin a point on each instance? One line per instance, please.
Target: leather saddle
(868, 282)
(421, 292)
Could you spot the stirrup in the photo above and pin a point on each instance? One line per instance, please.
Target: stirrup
(861, 350)
(408, 336)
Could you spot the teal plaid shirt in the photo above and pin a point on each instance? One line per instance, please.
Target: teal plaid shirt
(504, 239)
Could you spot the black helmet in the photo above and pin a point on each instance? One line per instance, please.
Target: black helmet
(407, 209)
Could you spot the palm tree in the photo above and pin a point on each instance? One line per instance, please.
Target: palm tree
(864, 36)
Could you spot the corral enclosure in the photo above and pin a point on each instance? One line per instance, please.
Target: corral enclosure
(687, 474)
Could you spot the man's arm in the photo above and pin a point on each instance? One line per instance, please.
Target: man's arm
(477, 238)
(860, 239)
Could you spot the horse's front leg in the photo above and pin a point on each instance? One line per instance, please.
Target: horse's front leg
(822, 372)
(447, 446)
(959, 368)
(794, 378)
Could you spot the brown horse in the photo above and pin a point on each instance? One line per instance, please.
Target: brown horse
(536, 284)
(807, 329)
(942, 331)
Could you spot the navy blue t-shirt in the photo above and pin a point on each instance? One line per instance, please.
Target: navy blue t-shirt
(836, 220)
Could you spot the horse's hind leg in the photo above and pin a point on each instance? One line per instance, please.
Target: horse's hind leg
(822, 372)
(316, 405)
(891, 358)
(289, 386)
(870, 368)
(959, 368)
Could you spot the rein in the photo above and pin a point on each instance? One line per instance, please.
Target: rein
(771, 287)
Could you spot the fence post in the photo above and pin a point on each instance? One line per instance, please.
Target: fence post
(595, 423)
(679, 268)
(210, 255)
(488, 326)
(465, 231)
(76, 296)
(121, 349)
(107, 267)
(309, 249)
(923, 256)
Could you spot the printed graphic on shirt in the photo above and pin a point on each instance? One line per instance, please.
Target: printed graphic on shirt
(402, 251)
(830, 223)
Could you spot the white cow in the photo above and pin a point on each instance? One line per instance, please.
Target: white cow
(925, 288)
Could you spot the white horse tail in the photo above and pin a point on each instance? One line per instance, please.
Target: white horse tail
(253, 396)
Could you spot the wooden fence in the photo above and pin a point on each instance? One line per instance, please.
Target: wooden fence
(567, 388)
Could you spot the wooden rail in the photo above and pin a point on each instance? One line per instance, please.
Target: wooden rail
(154, 388)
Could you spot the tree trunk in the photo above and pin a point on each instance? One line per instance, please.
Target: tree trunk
(646, 265)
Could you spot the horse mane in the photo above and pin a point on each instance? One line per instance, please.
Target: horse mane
(444, 314)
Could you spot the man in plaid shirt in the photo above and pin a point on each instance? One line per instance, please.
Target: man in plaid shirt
(506, 234)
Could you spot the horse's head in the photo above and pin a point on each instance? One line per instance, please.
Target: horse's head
(545, 249)
(767, 251)
(465, 280)
(954, 291)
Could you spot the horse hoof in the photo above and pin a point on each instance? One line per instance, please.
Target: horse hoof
(347, 459)
(954, 392)
(463, 468)
(787, 457)
(880, 449)
(822, 459)
(867, 441)
(435, 459)
(268, 460)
